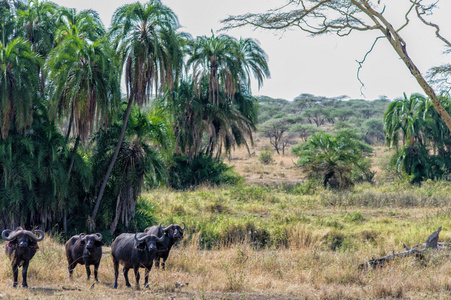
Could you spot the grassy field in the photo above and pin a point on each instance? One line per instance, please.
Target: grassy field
(270, 241)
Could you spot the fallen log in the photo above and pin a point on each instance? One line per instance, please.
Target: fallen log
(431, 243)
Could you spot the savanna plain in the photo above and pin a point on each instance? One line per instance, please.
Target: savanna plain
(272, 238)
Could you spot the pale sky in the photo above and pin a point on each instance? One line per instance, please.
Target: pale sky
(323, 66)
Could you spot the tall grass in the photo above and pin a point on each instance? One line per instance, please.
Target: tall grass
(259, 243)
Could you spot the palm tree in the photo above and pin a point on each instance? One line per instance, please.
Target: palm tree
(144, 38)
(140, 161)
(224, 66)
(33, 172)
(83, 84)
(332, 159)
(37, 24)
(404, 115)
(85, 24)
(18, 84)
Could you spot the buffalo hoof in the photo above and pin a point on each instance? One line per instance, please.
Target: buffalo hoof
(115, 286)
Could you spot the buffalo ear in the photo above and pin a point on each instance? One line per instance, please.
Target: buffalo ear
(98, 243)
(141, 245)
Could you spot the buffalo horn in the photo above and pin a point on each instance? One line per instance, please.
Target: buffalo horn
(160, 239)
(184, 226)
(41, 235)
(4, 232)
(139, 239)
(15, 233)
(34, 236)
(98, 236)
(82, 236)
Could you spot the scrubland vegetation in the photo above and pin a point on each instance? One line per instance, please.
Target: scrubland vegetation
(251, 242)
(292, 217)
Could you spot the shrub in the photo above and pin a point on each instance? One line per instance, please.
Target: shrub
(265, 157)
(201, 169)
(333, 159)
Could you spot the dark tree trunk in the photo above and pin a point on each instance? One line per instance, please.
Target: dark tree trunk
(113, 161)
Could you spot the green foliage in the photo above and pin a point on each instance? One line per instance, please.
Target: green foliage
(319, 112)
(138, 163)
(333, 159)
(34, 185)
(373, 131)
(202, 169)
(424, 154)
(265, 157)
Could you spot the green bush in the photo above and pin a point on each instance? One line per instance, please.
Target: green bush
(202, 169)
(265, 157)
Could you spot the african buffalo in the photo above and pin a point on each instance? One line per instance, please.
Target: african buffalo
(84, 250)
(134, 250)
(20, 247)
(170, 235)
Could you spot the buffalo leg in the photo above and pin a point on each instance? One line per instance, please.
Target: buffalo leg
(71, 268)
(24, 274)
(127, 282)
(157, 262)
(136, 269)
(146, 275)
(96, 268)
(15, 275)
(116, 272)
(88, 271)
(163, 263)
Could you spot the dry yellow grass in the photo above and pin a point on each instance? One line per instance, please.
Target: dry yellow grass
(304, 270)
(304, 267)
(282, 171)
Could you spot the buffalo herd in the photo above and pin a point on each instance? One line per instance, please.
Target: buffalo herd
(131, 250)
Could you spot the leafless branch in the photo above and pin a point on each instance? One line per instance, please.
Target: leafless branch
(422, 10)
(362, 85)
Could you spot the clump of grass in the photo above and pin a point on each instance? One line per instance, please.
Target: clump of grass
(265, 157)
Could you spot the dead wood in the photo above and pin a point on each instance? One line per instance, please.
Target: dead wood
(431, 243)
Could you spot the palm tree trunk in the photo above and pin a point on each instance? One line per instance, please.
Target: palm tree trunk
(118, 213)
(77, 141)
(70, 123)
(113, 161)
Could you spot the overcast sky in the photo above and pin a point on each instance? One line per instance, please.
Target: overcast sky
(323, 66)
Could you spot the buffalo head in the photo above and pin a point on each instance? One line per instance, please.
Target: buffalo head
(91, 240)
(22, 238)
(145, 241)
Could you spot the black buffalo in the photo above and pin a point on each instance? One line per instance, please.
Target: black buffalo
(20, 247)
(134, 250)
(84, 250)
(170, 234)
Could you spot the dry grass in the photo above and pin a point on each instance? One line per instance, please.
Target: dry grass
(302, 271)
(314, 243)
(282, 171)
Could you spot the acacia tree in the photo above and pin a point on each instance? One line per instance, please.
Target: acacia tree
(276, 130)
(342, 17)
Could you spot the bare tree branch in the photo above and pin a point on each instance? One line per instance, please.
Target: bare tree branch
(362, 85)
(342, 17)
(422, 10)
